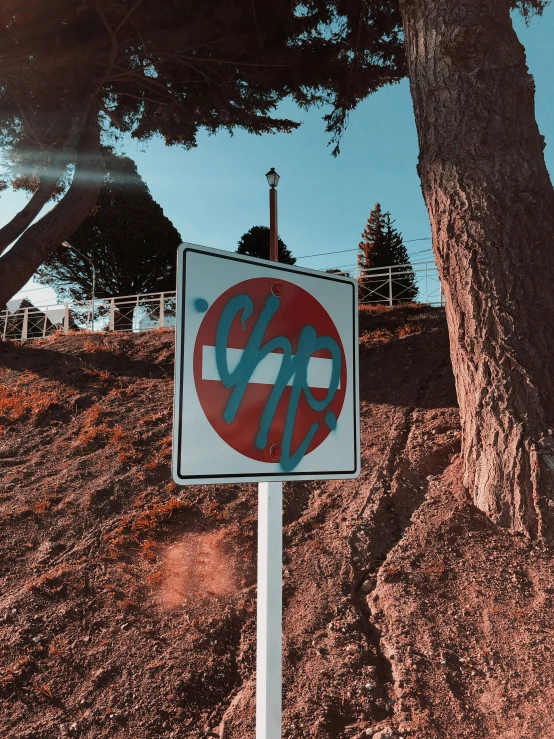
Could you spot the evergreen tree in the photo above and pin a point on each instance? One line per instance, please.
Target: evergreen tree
(382, 246)
(132, 244)
(255, 243)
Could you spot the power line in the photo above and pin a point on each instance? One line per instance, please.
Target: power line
(33, 289)
(420, 252)
(343, 251)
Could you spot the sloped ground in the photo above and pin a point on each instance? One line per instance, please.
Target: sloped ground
(127, 604)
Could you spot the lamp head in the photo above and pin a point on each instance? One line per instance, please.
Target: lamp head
(273, 178)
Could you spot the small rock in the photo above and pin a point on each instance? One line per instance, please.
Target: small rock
(64, 730)
(386, 733)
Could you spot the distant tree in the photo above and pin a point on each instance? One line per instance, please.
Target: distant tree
(382, 246)
(132, 244)
(255, 243)
(334, 271)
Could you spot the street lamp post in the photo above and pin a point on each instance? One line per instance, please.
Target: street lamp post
(269, 629)
(69, 246)
(273, 180)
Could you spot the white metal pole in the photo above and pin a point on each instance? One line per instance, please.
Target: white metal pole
(93, 290)
(25, 324)
(269, 610)
(162, 310)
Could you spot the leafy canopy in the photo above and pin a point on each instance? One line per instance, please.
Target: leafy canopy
(170, 68)
(255, 243)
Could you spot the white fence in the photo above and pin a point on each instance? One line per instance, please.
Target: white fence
(125, 313)
(400, 283)
(133, 313)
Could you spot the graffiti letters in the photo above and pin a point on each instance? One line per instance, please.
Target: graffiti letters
(293, 370)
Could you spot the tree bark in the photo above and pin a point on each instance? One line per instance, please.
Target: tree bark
(491, 208)
(20, 263)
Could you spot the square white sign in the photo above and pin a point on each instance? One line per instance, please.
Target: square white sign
(266, 371)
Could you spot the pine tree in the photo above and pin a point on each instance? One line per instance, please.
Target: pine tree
(382, 246)
(132, 244)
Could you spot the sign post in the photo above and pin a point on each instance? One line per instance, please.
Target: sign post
(266, 390)
(269, 611)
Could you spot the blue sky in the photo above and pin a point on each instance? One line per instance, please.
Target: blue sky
(216, 192)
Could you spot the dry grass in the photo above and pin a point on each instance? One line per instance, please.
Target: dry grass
(123, 443)
(94, 429)
(91, 428)
(96, 344)
(385, 335)
(97, 374)
(53, 582)
(409, 328)
(42, 506)
(27, 397)
(161, 456)
(149, 550)
(138, 526)
(379, 336)
(58, 647)
(376, 309)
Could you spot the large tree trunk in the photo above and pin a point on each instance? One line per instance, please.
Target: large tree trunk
(20, 263)
(491, 207)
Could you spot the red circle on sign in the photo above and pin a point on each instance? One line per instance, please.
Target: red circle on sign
(297, 309)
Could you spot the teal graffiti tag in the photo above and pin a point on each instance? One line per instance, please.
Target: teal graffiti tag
(292, 367)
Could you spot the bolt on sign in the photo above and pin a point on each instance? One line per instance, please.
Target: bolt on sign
(266, 371)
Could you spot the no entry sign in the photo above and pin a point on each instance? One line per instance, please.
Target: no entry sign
(266, 374)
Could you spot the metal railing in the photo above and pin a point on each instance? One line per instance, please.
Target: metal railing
(130, 313)
(149, 311)
(400, 283)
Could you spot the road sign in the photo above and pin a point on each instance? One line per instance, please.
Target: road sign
(266, 375)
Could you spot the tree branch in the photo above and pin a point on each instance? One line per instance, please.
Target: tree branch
(116, 123)
(127, 16)
(20, 263)
(22, 220)
(48, 182)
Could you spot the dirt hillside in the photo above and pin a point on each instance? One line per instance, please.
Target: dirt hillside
(127, 604)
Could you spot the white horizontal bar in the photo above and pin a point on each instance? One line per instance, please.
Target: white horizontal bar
(319, 368)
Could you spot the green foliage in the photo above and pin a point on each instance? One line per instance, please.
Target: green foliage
(255, 243)
(382, 246)
(132, 243)
(150, 68)
(154, 68)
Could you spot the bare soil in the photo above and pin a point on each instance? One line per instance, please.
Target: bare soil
(127, 604)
